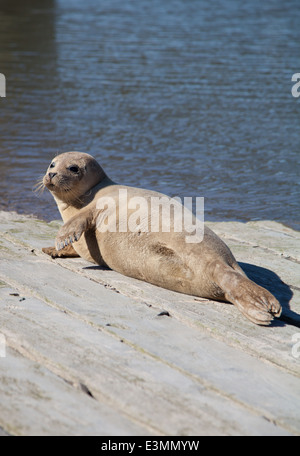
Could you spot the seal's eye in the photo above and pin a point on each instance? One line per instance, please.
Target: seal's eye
(74, 169)
(52, 165)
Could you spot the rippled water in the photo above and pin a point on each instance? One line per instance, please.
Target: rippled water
(187, 97)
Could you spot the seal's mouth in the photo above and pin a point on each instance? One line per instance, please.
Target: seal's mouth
(47, 181)
(60, 186)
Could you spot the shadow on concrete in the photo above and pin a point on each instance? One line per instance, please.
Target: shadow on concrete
(273, 283)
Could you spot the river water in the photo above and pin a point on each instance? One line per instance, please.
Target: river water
(186, 97)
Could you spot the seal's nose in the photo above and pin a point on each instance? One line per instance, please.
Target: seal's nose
(51, 175)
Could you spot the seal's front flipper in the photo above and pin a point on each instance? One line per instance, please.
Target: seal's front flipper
(67, 252)
(73, 229)
(254, 301)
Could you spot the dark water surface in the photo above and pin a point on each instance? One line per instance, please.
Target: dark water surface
(187, 97)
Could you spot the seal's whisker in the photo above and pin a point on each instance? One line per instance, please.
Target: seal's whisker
(73, 198)
(39, 187)
(70, 195)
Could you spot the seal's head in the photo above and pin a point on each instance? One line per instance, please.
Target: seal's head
(71, 175)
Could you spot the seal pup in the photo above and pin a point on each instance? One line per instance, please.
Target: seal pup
(206, 269)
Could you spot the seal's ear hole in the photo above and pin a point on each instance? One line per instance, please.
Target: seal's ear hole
(74, 169)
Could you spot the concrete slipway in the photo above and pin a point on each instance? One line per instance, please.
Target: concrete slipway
(86, 351)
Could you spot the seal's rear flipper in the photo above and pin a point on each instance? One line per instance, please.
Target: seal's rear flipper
(254, 301)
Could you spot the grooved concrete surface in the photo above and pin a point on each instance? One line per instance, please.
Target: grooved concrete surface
(87, 351)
